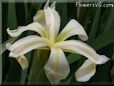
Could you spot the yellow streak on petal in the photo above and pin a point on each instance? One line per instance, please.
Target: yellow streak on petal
(51, 26)
(65, 33)
(46, 33)
(56, 61)
(41, 15)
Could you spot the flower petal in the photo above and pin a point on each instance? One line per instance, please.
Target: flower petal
(47, 4)
(49, 18)
(22, 61)
(40, 17)
(33, 27)
(52, 21)
(75, 46)
(25, 45)
(86, 71)
(57, 67)
(72, 28)
(53, 5)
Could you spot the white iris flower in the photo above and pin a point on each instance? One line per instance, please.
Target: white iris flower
(47, 24)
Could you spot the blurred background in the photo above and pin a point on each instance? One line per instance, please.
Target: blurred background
(97, 21)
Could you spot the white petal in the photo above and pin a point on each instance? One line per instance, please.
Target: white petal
(57, 67)
(22, 61)
(75, 46)
(86, 71)
(40, 17)
(26, 44)
(53, 5)
(72, 28)
(103, 59)
(11, 54)
(53, 22)
(47, 4)
(33, 27)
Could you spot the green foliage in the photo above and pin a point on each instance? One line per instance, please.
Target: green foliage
(96, 21)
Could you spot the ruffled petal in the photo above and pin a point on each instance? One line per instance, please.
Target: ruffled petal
(25, 45)
(75, 46)
(86, 71)
(72, 28)
(33, 27)
(57, 67)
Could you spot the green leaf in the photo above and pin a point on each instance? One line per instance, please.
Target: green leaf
(106, 20)
(93, 31)
(3, 46)
(12, 19)
(14, 72)
(26, 11)
(103, 40)
(35, 68)
(100, 73)
(69, 80)
(63, 14)
(11, 22)
(86, 16)
(109, 21)
(39, 60)
(73, 57)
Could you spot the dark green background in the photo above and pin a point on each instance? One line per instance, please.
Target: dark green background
(97, 21)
